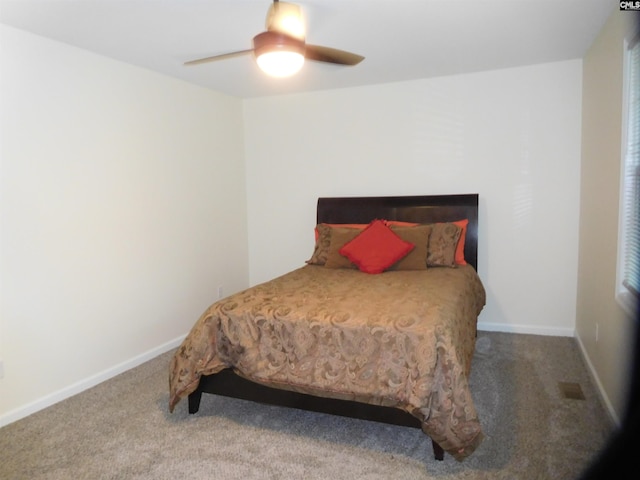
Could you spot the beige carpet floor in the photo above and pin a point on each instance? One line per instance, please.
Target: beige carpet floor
(121, 429)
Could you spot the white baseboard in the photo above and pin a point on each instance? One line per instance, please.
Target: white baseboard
(599, 387)
(87, 383)
(528, 329)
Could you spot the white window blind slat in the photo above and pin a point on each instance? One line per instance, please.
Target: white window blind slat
(631, 177)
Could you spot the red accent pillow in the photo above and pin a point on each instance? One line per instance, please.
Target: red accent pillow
(459, 256)
(376, 248)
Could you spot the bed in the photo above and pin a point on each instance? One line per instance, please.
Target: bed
(376, 336)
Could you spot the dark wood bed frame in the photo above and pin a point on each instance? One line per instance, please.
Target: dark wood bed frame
(420, 209)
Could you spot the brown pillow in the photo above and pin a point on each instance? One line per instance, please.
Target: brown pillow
(340, 236)
(321, 250)
(442, 244)
(417, 258)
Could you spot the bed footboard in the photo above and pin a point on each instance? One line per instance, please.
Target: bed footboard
(228, 384)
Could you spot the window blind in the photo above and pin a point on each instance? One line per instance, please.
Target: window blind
(631, 176)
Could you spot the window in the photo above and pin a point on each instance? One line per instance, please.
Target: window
(629, 251)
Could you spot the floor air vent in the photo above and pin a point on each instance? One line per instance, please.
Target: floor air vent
(571, 390)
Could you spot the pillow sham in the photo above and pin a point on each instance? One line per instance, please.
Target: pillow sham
(376, 248)
(443, 242)
(362, 226)
(416, 259)
(459, 255)
(321, 249)
(410, 262)
(338, 238)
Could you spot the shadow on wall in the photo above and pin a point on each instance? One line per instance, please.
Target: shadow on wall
(619, 459)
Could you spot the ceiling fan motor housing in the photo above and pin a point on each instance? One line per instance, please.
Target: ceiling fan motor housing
(270, 41)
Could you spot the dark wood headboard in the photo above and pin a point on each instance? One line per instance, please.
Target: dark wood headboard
(418, 209)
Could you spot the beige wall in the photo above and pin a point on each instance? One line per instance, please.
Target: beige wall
(609, 352)
(511, 135)
(122, 210)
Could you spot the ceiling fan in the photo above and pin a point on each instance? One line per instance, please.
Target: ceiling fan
(281, 50)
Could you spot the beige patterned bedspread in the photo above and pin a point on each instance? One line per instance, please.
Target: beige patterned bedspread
(400, 338)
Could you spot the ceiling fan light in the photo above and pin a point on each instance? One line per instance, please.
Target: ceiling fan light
(280, 63)
(277, 54)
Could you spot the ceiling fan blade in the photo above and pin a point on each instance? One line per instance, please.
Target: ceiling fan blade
(331, 55)
(218, 57)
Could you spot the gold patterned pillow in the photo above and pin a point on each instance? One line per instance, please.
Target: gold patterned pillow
(442, 244)
(340, 236)
(321, 250)
(416, 258)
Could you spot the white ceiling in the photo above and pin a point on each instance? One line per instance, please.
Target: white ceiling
(400, 39)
